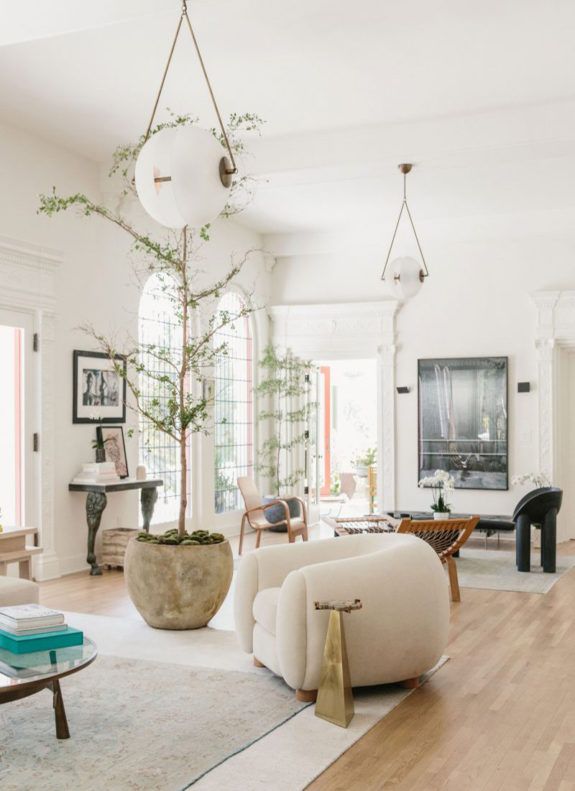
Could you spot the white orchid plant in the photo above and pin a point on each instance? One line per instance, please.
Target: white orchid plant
(442, 484)
(538, 479)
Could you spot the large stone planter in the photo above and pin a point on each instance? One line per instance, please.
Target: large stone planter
(178, 587)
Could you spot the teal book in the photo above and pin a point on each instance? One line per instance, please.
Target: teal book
(47, 641)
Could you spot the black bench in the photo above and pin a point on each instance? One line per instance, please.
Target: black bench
(488, 523)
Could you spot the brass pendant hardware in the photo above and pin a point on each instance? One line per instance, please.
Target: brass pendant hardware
(226, 172)
(230, 167)
(422, 276)
(405, 168)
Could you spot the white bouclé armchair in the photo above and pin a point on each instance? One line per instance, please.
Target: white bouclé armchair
(400, 632)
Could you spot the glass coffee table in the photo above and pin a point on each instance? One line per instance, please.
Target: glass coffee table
(22, 675)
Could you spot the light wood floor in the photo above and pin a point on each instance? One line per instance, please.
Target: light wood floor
(499, 716)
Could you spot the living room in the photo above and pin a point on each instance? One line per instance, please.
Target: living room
(287, 320)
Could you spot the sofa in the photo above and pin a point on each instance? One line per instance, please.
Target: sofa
(400, 632)
(14, 590)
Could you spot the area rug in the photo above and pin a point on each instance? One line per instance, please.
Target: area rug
(193, 725)
(494, 570)
(291, 757)
(138, 725)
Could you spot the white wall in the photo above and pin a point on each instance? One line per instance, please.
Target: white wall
(475, 302)
(566, 437)
(95, 285)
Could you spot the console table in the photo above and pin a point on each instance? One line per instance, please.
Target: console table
(96, 501)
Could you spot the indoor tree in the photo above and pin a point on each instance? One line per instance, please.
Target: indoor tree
(284, 388)
(175, 395)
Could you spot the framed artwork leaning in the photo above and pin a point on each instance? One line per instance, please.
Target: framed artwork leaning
(99, 390)
(463, 420)
(112, 438)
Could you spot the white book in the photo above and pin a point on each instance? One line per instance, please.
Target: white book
(31, 614)
(25, 630)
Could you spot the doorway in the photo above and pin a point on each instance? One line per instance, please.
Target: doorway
(16, 411)
(347, 442)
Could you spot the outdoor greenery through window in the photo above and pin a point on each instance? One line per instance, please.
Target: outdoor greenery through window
(158, 326)
(233, 408)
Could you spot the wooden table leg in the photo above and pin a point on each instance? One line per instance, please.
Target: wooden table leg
(25, 569)
(95, 504)
(62, 730)
(148, 499)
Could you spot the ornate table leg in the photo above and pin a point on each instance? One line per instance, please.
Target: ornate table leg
(95, 504)
(62, 730)
(148, 499)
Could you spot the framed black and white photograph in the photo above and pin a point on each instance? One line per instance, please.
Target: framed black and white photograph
(112, 438)
(463, 420)
(99, 390)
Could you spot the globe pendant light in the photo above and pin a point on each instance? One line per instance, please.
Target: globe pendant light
(404, 276)
(181, 176)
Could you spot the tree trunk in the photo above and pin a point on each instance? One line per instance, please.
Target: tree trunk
(183, 487)
(183, 374)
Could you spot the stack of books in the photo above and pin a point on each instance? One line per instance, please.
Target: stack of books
(30, 627)
(97, 472)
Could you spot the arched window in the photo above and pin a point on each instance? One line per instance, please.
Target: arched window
(160, 453)
(233, 408)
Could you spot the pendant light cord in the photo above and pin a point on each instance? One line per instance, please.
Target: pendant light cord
(405, 206)
(184, 15)
(165, 74)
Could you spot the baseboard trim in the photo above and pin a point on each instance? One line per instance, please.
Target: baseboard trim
(72, 564)
(46, 567)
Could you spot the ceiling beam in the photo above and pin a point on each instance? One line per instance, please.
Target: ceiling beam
(38, 19)
(489, 139)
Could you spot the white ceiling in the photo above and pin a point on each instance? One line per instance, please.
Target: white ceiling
(479, 94)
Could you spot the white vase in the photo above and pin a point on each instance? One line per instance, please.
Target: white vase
(441, 514)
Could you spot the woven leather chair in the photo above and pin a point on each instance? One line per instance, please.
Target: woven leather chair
(446, 536)
(255, 517)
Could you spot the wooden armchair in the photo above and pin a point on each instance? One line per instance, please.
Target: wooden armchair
(446, 536)
(255, 517)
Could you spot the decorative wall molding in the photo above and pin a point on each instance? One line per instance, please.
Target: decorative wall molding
(354, 328)
(555, 331)
(351, 330)
(28, 286)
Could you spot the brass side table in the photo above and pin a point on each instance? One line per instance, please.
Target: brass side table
(335, 696)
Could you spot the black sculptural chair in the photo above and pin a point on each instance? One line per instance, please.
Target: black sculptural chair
(540, 508)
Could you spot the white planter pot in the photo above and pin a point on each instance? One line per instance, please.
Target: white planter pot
(441, 514)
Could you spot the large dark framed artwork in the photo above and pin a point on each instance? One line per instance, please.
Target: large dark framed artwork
(463, 420)
(99, 390)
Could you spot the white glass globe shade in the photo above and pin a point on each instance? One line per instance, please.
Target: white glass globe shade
(404, 277)
(190, 157)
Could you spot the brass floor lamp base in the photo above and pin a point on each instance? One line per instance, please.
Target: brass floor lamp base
(335, 696)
